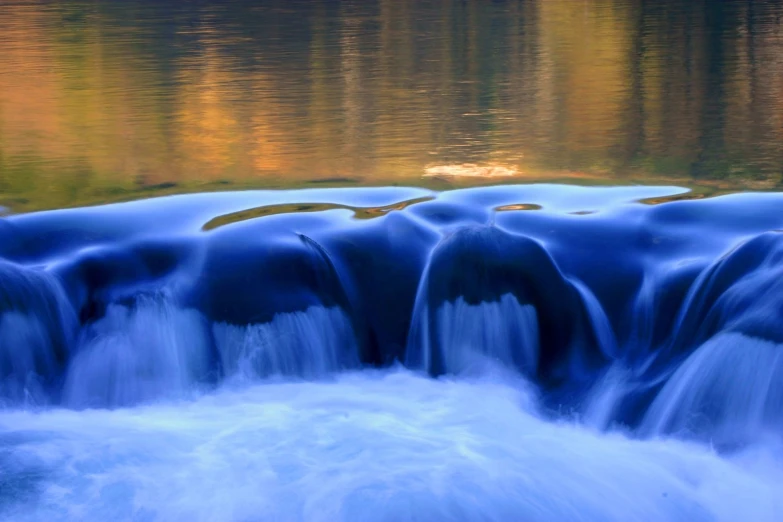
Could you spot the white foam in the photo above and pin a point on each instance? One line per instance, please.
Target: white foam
(390, 446)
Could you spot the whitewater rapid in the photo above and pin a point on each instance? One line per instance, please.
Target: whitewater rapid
(386, 445)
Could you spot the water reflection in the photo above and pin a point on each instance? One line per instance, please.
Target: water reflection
(109, 100)
(298, 208)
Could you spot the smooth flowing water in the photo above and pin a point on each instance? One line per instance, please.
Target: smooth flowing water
(531, 353)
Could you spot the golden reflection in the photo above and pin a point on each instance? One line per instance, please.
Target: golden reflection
(518, 206)
(31, 115)
(209, 131)
(100, 102)
(689, 196)
(471, 170)
(298, 208)
(590, 47)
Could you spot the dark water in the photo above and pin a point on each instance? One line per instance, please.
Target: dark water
(105, 100)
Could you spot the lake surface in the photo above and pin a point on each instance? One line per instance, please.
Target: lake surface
(109, 100)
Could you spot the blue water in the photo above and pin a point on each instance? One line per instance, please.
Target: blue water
(507, 353)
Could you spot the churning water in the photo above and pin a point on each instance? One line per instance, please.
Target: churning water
(369, 445)
(599, 358)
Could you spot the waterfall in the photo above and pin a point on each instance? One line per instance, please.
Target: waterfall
(729, 391)
(410, 362)
(37, 326)
(307, 344)
(150, 350)
(501, 332)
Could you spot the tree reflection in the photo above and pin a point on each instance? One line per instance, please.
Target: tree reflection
(102, 100)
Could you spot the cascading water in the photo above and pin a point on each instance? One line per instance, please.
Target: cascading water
(148, 350)
(503, 332)
(36, 330)
(729, 391)
(448, 359)
(309, 344)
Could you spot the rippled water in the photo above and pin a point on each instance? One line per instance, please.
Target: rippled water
(110, 100)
